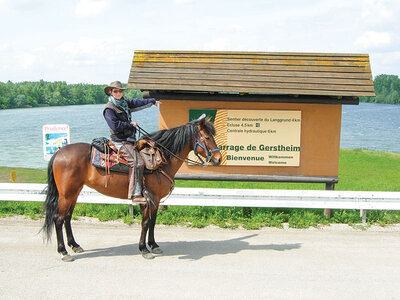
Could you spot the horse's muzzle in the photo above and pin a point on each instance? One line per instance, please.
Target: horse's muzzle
(216, 162)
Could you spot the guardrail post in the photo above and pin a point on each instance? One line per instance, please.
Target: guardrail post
(327, 211)
(363, 215)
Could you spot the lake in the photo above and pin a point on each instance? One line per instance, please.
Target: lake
(365, 126)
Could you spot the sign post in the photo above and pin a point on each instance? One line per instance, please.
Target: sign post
(13, 176)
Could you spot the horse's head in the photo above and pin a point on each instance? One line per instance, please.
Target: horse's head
(204, 143)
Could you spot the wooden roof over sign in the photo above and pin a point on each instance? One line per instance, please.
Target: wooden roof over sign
(327, 74)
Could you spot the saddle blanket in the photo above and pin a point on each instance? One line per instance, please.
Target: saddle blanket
(113, 162)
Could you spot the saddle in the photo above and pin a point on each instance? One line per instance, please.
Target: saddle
(105, 156)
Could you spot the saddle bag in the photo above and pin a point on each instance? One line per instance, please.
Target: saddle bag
(152, 156)
(100, 143)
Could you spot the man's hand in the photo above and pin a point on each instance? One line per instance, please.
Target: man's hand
(134, 123)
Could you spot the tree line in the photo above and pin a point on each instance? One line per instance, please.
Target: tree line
(387, 90)
(43, 93)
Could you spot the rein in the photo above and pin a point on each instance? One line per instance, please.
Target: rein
(203, 164)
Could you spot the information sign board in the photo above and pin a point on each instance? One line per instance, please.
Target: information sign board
(256, 137)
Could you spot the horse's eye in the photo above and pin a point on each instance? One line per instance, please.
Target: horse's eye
(207, 137)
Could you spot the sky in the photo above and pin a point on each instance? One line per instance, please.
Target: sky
(93, 41)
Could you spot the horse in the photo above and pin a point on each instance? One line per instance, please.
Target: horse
(70, 169)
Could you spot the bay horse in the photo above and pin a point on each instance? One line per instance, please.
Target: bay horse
(70, 169)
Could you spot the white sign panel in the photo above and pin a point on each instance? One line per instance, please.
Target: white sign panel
(54, 138)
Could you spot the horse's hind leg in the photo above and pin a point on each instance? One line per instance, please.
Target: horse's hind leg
(70, 237)
(68, 194)
(66, 206)
(58, 222)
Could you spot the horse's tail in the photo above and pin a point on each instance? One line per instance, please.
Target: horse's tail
(51, 203)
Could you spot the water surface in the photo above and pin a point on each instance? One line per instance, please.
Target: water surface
(364, 126)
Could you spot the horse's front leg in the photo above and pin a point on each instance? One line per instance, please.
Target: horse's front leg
(151, 241)
(145, 226)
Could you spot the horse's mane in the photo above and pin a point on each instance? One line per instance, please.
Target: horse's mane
(176, 138)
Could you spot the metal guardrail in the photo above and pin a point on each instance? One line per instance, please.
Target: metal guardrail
(231, 197)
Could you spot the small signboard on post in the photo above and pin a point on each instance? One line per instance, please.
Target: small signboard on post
(55, 137)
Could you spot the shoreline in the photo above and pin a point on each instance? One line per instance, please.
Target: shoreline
(392, 154)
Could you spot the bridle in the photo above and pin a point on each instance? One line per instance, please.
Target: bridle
(196, 143)
(208, 151)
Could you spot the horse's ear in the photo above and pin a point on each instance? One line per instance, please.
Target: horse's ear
(202, 122)
(208, 119)
(201, 117)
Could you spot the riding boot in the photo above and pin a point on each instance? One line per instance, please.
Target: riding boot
(137, 196)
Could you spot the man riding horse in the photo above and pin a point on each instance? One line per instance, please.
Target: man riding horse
(70, 169)
(123, 134)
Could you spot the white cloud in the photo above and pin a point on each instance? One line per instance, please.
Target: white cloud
(88, 8)
(217, 44)
(236, 27)
(4, 47)
(22, 5)
(378, 11)
(373, 39)
(92, 51)
(39, 49)
(25, 60)
(385, 62)
(61, 41)
(182, 1)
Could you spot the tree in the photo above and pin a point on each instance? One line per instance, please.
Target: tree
(387, 90)
(394, 97)
(20, 101)
(57, 99)
(4, 103)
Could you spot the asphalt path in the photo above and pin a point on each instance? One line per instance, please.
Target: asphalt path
(336, 262)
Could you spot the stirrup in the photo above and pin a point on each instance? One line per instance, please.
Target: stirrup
(138, 200)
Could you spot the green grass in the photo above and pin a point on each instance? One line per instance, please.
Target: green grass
(31, 209)
(24, 175)
(359, 170)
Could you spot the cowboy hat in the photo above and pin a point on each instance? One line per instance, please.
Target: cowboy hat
(113, 85)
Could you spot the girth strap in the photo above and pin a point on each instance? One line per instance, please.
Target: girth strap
(169, 178)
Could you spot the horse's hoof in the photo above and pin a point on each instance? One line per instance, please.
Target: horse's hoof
(147, 255)
(67, 258)
(156, 250)
(78, 249)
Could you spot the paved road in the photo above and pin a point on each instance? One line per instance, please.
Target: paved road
(210, 263)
